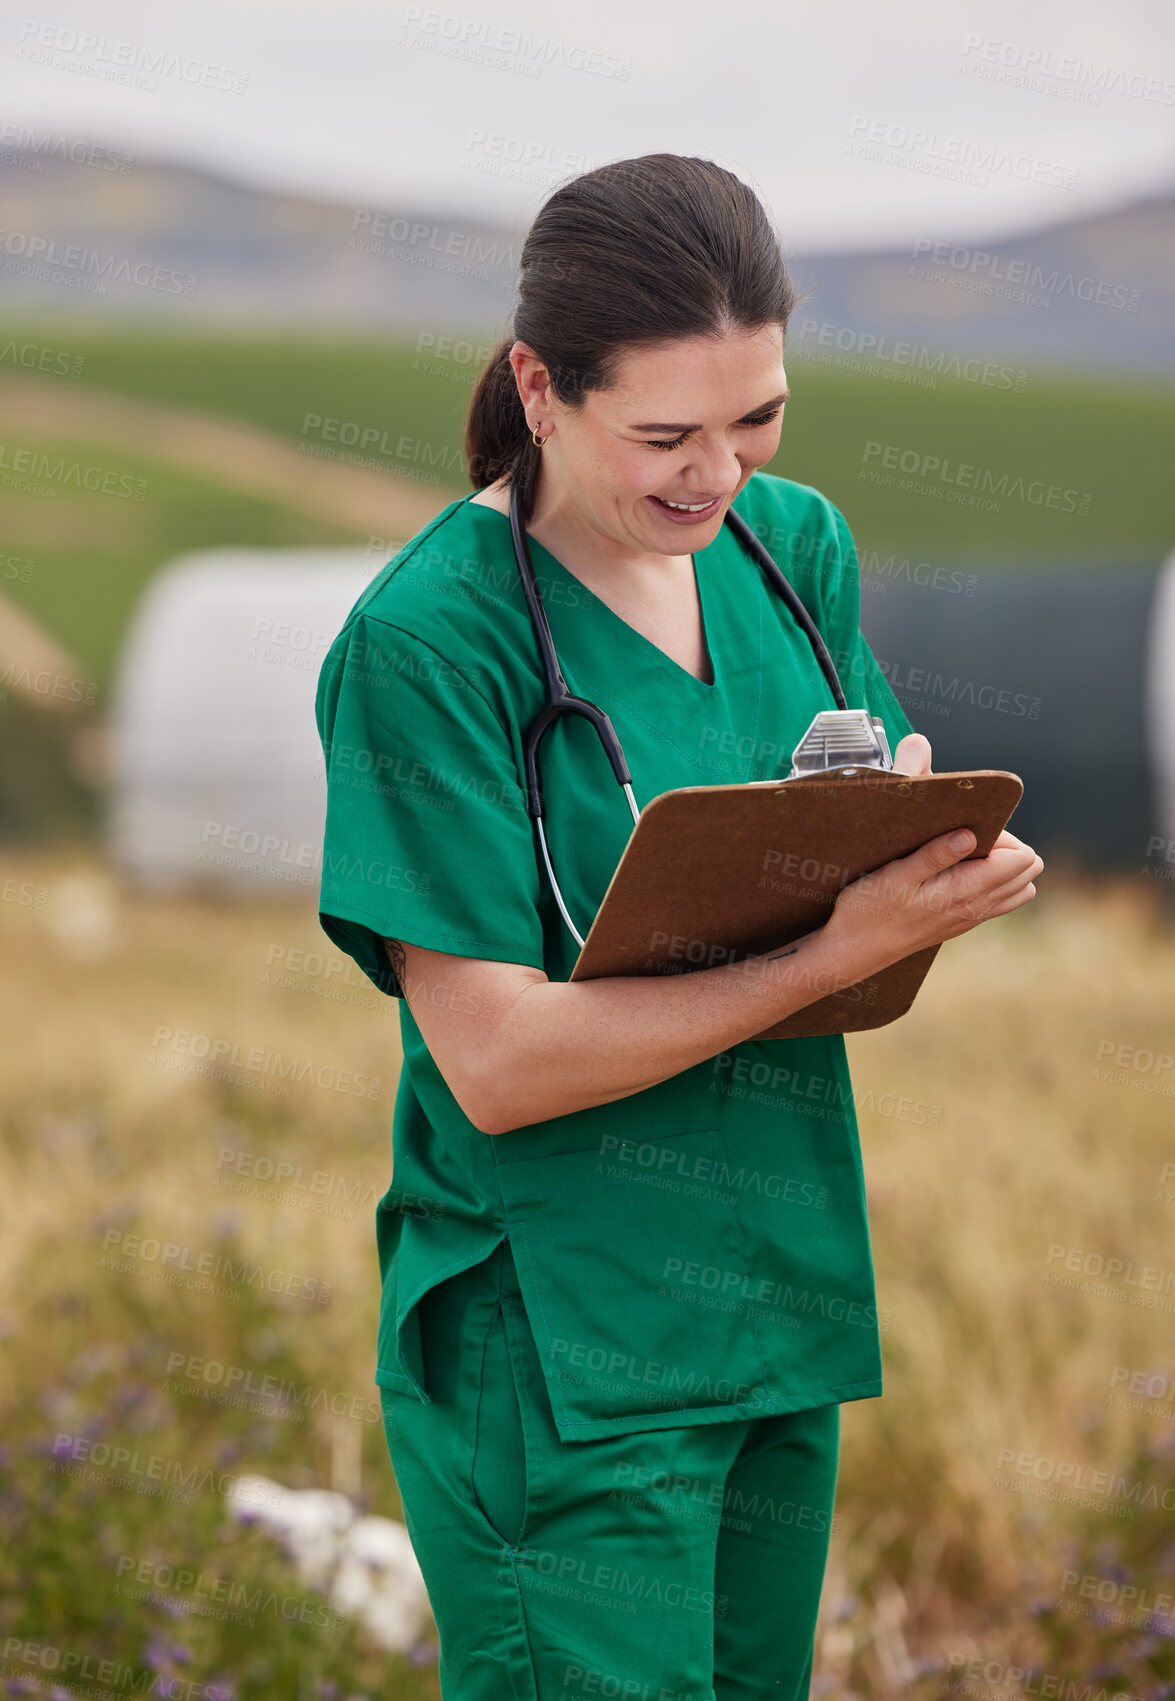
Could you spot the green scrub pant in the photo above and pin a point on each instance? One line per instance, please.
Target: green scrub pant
(676, 1564)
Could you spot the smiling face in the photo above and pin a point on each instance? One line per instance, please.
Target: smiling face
(682, 428)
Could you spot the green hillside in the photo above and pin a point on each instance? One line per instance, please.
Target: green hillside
(84, 593)
(1106, 440)
(1078, 466)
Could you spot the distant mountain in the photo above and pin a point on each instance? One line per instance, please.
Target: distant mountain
(120, 237)
(168, 242)
(1097, 291)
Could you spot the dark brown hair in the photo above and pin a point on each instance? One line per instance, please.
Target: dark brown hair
(641, 251)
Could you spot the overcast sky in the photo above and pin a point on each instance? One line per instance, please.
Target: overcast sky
(860, 124)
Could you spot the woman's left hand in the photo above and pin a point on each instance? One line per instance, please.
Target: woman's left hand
(912, 755)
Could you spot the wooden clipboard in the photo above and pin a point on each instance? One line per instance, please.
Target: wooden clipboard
(713, 874)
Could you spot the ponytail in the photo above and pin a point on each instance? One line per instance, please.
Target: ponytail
(498, 443)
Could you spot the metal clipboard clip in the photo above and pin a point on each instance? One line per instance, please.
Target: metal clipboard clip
(841, 737)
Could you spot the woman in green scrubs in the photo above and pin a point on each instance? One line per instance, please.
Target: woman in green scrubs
(627, 1279)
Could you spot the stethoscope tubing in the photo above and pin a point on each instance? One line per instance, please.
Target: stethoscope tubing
(562, 701)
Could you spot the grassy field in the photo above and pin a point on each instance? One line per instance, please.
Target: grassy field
(1099, 445)
(1008, 1503)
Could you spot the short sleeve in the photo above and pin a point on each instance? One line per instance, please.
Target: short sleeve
(427, 837)
(865, 685)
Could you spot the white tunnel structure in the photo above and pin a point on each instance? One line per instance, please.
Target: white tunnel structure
(217, 770)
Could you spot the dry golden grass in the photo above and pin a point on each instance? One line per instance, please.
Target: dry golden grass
(991, 1134)
(1038, 1146)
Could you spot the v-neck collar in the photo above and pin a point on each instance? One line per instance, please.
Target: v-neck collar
(653, 652)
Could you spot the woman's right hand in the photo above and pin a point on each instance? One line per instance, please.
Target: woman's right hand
(930, 896)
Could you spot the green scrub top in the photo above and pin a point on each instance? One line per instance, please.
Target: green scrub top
(699, 1250)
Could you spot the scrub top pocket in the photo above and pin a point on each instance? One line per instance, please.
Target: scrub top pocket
(630, 1262)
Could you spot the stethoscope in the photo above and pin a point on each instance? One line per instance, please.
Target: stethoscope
(560, 701)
